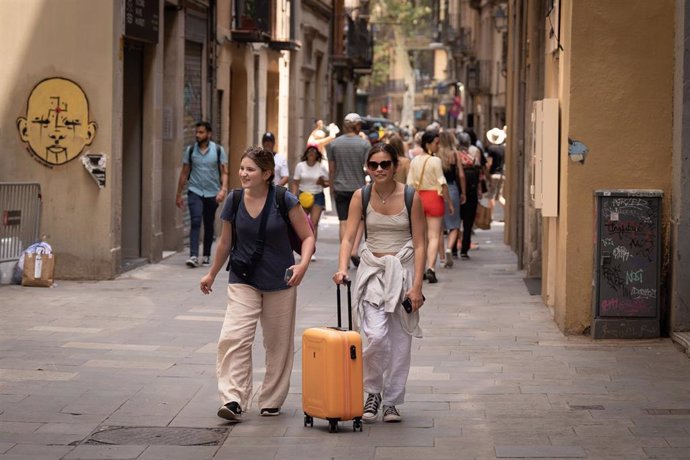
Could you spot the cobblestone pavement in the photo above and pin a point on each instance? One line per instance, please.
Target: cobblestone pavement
(492, 378)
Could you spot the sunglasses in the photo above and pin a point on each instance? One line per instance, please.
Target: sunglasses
(374, 165)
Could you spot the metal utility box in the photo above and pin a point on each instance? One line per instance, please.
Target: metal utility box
(627, 264)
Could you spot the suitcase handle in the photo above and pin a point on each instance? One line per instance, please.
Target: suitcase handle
(349, 305)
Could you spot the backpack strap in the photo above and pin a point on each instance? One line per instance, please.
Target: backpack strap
(189, 154)
(409, 199)
(236, 200)
(220, 171)
(366, 197)
(282, 204)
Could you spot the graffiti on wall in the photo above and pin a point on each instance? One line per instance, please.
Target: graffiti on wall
(56, 126)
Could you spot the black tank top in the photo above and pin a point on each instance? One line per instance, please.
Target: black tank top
(451, 174)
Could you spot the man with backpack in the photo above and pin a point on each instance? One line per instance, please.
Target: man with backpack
(205, 171)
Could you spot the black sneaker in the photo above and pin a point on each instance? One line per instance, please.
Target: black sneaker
(206, 261)
(464, 255)
(230, 411)
(270, 411)
(371, 408)
(431, 276)
(455, 253)
(391, 414)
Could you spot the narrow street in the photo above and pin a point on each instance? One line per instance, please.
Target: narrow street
(492, 378)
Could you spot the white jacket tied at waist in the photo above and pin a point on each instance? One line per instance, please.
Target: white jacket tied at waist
(383, 283)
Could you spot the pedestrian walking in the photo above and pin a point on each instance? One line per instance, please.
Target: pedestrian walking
(473, 165)
(323, 135)
(282, 173)
(416, 148)
(346, 158)
(495, 153)
(262, 286)
(403, 162)
(426, 175)
(455, 179)
(309, 180)
(388, 284)
(205, 172)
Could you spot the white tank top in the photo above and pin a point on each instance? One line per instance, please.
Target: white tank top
(387, 234)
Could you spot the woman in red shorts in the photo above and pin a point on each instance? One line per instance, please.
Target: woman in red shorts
(426, 175)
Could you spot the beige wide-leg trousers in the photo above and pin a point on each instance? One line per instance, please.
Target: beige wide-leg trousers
(276, 311)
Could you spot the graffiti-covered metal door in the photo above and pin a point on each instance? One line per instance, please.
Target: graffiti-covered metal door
(627, 265)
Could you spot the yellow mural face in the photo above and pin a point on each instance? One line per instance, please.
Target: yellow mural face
(56, 126)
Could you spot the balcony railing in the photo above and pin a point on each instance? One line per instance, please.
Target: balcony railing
(479, 76)
(390, 87)
(357, 50)
(359, 43)
(463, 42)
(253, 21)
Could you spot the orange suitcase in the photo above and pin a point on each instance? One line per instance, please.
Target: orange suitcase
(332, 387)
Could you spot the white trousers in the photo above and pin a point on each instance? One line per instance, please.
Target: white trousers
(386, 355)
(276, 311)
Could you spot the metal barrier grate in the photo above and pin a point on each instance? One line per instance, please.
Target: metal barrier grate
(20, 211)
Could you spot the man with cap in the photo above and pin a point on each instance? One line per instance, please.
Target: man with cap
(346, 157)
(282, 173)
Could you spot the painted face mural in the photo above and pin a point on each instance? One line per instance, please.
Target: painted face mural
(56, 126)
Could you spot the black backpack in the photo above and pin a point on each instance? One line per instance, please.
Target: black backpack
(366, 197)
(294, 238)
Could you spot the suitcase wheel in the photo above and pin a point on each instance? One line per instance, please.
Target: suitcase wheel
(357, 425)
(308, 420)
(332, 425)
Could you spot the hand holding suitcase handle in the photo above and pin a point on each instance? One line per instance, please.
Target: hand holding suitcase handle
(340, 278)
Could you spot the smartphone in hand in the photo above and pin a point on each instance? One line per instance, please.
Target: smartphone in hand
(288, 274)
(407, 304)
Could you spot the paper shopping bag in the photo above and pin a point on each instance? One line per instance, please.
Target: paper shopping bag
(483, 218)
(38, 270)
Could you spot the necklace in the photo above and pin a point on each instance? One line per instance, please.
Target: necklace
(383, 200)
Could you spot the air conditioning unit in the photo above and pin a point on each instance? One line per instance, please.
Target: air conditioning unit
(545, 156)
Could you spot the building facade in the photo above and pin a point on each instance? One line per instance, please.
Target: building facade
(608, 70)
(120, 84)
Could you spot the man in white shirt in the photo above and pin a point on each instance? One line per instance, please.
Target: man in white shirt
(282, 173)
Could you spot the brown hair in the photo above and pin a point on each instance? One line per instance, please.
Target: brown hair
(396, 141)
(263, 159)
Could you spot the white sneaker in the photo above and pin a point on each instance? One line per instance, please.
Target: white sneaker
(193, 262)
(313, 258)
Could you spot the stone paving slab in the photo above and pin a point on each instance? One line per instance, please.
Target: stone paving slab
(492, 377)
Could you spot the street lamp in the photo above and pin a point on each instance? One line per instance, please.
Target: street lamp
(500, 19)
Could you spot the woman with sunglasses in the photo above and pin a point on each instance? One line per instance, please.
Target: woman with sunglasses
(261, 287)
(426, 175)
(388, 285)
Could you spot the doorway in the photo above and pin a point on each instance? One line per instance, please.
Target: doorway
(132, 134)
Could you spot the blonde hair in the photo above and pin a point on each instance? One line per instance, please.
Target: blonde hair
(447, 149)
